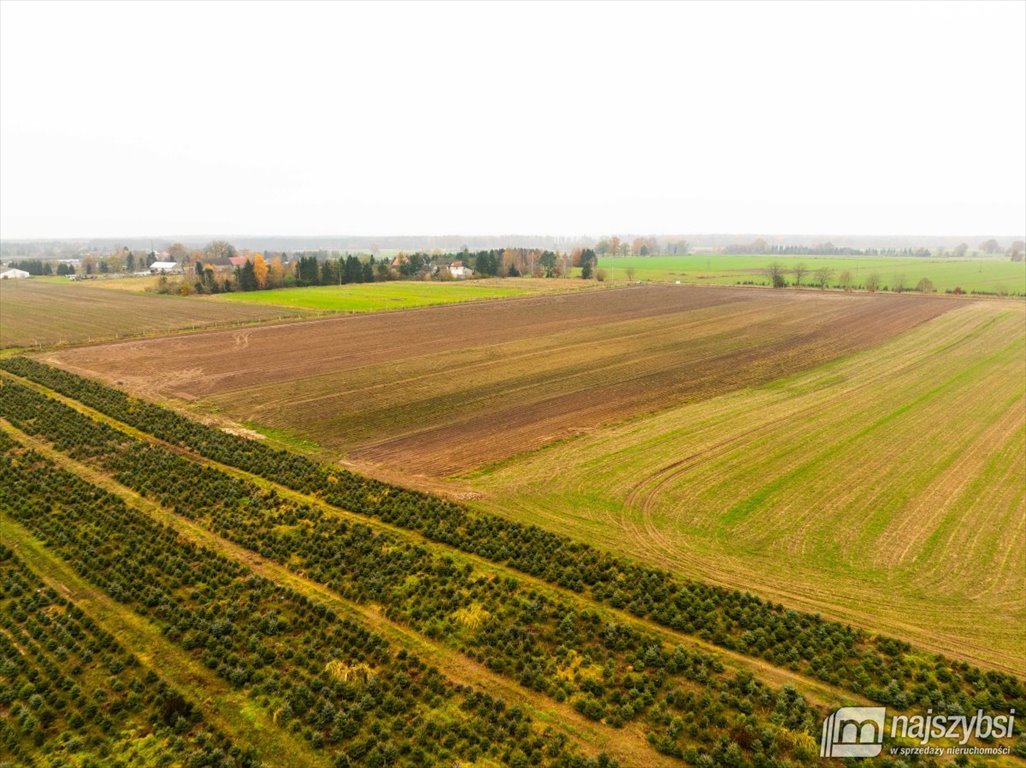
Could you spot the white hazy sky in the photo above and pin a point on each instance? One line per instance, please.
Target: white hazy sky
(313, 119)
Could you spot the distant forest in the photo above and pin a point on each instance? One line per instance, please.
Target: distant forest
(71, 248)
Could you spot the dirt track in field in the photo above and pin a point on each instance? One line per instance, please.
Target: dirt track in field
(441, 390)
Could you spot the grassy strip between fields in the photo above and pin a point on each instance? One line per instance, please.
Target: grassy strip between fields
(816, 691)
(627, 745)
(244, 720)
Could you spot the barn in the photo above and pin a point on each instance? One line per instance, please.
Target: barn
(163, 267)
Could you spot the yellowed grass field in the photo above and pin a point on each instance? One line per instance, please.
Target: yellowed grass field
(886, 488)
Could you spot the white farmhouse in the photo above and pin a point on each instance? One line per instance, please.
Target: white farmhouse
(14, 274)
(459, 271)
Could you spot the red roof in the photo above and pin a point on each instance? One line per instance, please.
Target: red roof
(238, 261)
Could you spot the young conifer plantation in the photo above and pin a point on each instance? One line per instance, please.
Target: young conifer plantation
(582, 384)
(623, 645)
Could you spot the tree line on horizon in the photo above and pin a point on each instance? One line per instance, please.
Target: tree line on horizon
(989, 247)
(217, 270)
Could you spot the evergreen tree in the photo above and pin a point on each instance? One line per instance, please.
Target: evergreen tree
(588, 263)
(352, 272)
(247, 277)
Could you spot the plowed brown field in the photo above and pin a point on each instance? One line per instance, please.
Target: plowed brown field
(42, 312)
(440, 390)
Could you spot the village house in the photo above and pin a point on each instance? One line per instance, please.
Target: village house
(459, 271)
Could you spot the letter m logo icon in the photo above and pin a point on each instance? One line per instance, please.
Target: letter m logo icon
(853, 732)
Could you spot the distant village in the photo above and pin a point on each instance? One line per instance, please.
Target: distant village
(220, 267)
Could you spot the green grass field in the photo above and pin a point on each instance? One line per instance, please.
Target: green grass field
(376, 297)
(885, 488)
(980, 274)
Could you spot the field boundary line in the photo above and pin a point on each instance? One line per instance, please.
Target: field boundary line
(818, 692)
(592, 737)
(222, 706)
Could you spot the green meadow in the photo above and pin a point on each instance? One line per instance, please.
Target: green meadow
(997, 275)
(375, 297)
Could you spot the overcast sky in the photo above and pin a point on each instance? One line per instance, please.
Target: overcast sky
(196, 118)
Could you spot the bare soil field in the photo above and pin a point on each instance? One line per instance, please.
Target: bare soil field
(442, 390)
(44, 312)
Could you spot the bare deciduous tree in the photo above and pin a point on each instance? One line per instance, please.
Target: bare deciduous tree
(219, 251)
(178, 252)
(1015, 253)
